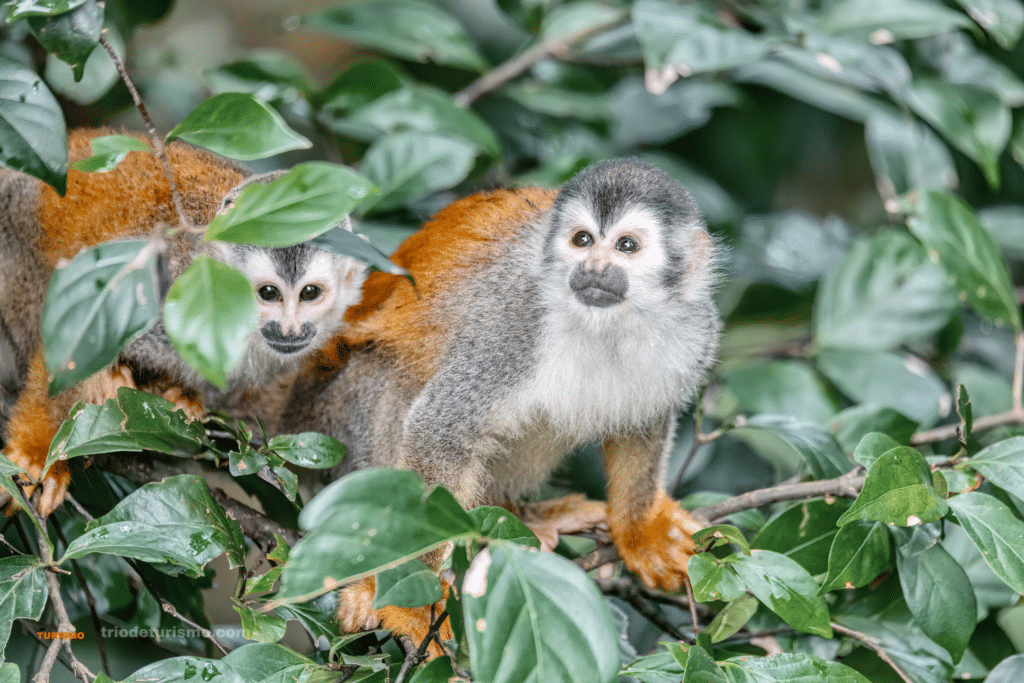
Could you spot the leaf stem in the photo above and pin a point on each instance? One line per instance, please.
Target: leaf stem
(154, 137)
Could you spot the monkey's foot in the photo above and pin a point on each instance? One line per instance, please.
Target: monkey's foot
(51, 489)
(566, 515)
(356, 613)
(657, 546)
(187, 401)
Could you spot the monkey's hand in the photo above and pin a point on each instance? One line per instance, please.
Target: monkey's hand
(51, 489)
(356, 613)
(657, 546)
(566, 515)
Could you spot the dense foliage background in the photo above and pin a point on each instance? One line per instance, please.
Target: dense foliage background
(861, 159)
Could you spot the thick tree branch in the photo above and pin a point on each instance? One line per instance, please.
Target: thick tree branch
(503, 73)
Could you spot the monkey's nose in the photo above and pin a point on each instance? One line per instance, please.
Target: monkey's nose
(600, 288)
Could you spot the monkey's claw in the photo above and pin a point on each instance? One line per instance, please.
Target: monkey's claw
(52, 488)
(356, 613)
(657, 547)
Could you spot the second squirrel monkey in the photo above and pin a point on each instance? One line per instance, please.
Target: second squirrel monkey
(541, 320)
(302, 291)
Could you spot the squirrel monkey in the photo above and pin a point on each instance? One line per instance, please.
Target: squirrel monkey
(302, 291)
(541, 320)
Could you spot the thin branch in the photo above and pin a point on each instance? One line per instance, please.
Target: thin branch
(169, 608)
(870, 642)
(155, 139)
(1018, 376)
(597, 558)
(417, 656)
(693, 606)
(90, 599)
(626, 590)
(503, 73)
(846, 486)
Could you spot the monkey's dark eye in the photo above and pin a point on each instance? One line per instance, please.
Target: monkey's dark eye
(583, 239)
(269, 293)
(310, 293)
(627, 245)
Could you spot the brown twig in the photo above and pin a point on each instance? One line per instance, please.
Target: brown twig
(627, 590)
(207, 633)
(846, 486)
(254, 524)
(693, 606)
(506, 71)
(155, 139)
(90, 599)
(597, 558)
(870, 642)
(416, 656)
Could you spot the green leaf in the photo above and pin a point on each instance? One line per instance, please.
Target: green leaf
(107, 152)
(940, 597)
(788, 667)
(259, 626)
(1002, 19)
(409, 166)
(1002, 464)
(709, 537)
(973, 120)
(906, 645)
(732, 618)
(94, 305)
(957, 239)
(884, 22)
(264, 583)
(886, 379)
(786, 588)
(897, 490)
(209, 314)
(32, 130)
(344, 242)
(271, 663)
(639, 117)
(789, 248)
(239, 126)
(872, 447)
(783, 387)
(308, 200)
(1010, 670)
(10, 673)
(883, 294)
(498, 523)
(23, 592)
(309, 449)
(272, 75)
(176, 521)
(360, 84)
(404, 28)
(417, 108)
(859, 553)
(812, 442)
(713, 579)
(850, 426)
(71, 36)
(155, 424)
(660, 667)
(958, 60)
(410, 584)
(997, 532)
(680, 40)
(438, 670)
(90, 430)
(804, 532)
(907, 157)
(370, 519)
(36, 8)
(514, 600)
(188, 668)
(701, 667)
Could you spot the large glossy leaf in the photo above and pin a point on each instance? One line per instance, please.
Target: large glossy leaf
(32, 126)
(907, 156)
(859, 553)
(94, 305)
(1002, 464)
(409, 166)
(271, 663)
(804, 532)
(791, 667)
(973, 120)
(873, 446)
(950, 229)
(898, 490)
(308, 200)
(536, 617)
(1002, 19)
(367, 520)
(419, 108)
(209, 314)
(22, 592)
(940, 597)
(239, 126)
(904, 19)
(786, 588)
(186, 669)
(812, 442)
(410, 29)
(883, 294)
(997, 532)
(175, 521)
(71, 36)
(886, 379)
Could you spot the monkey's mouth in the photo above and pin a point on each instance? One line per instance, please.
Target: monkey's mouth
(599, 289)
(288, 346)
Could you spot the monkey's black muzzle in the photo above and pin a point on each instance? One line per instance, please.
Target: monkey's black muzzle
(600, 289)
(288, 343)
